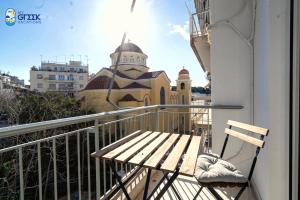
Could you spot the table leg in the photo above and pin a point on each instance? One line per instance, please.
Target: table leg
(168, 184)
(147, 184)
(119, 179)
(174, 189)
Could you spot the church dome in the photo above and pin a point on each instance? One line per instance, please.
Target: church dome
(184, 71)
(130, 47)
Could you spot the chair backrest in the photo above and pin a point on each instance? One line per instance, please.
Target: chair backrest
(254, 129)
(242, 136)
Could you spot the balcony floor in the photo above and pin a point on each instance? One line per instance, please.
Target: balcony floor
(187, 187)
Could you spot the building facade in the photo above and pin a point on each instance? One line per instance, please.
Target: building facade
(134, 84)
(57, 77)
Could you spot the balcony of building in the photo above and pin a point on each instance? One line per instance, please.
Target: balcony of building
(200, 34)
(51, 159)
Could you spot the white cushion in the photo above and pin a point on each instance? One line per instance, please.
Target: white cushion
(210, 168)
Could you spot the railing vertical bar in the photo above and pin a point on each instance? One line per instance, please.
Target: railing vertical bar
(163, 122)
(125, 130)
(184, 122)
(97, 161)
(178, 123)
(78, 165)
(157, 120)
(68, 167)
(40, 171)
(121, 136)
(88, 163)
(110, 171)
(21, 174)
(104, 165)
(54, 168)
(173, 122)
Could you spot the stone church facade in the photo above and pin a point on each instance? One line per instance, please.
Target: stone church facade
(134, 84)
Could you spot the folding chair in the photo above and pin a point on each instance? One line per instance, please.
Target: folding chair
(212, 171)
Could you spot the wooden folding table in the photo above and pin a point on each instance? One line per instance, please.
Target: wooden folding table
(170, 153)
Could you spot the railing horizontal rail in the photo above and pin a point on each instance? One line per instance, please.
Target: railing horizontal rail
(38, 126)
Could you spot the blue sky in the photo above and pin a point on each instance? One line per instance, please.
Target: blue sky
(94, 28)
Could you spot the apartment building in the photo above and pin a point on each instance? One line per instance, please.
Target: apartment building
(7, 82)
(59, 77)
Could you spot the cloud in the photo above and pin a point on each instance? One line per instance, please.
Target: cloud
(182, 30)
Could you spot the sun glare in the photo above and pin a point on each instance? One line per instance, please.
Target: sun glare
(116, 19)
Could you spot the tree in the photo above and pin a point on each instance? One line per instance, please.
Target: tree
(29, 107)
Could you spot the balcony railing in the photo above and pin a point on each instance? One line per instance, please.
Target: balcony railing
(199, 23)
(51, 159)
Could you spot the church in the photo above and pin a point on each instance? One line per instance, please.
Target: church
(134, 84)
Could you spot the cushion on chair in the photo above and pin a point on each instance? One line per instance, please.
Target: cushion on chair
(212, 169)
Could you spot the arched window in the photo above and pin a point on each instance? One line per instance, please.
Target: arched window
(182, 86)
(138, 59)
(182, 99)
(124, 59)
(131, 59)
(162, 96)
(146, 101)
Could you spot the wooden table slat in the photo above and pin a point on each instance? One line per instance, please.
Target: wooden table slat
(173, 158)
(142, 155)
(117, 151)
(154, 160)
(125, 156)
(190, 158)
(99, 153)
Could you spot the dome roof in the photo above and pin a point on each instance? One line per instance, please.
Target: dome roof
(183, 71)
(129, 47)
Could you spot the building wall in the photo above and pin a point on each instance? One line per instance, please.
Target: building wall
(261, 88)
(96, 100)
(231, 69)
(271, 97)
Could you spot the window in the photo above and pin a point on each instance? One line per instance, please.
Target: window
(81, 86)
(61, 86)
(40, 85)
(71, 77)
(80, 77)
(52, 86)
(138, 59)
(80, 70)
(131, 59)
(125, 59)
(61, 77)
(55, 68)
(182, 86)
(162, 96)
(182, 99)
(39, 76)
(146, 101)
(72, 69)
(51, 77)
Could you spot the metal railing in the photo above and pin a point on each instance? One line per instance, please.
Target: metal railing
(51, 159)
(199, 23)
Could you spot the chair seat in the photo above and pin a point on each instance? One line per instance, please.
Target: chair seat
(212, 169)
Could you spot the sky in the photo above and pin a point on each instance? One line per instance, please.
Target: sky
(90, 30)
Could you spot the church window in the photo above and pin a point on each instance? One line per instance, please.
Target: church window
(182, 99)
(162, 96)
(182, 86)
(146, 101)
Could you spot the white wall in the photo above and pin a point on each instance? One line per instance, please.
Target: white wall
(271, 97)
(266, 105)
(231, 67)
